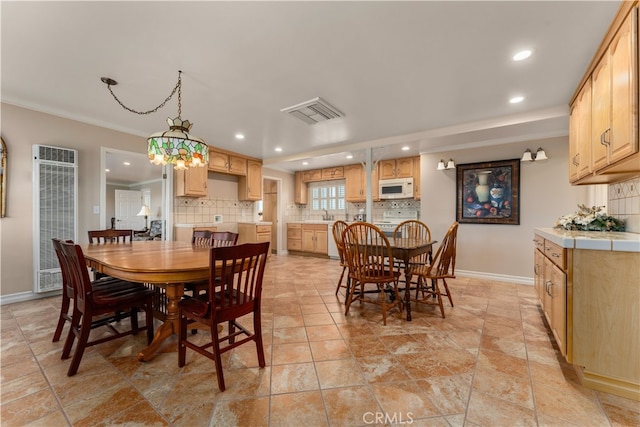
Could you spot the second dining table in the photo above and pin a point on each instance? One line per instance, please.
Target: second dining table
(164, 264)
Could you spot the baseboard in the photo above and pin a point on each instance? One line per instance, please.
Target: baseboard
(26, 296)
(495, 277)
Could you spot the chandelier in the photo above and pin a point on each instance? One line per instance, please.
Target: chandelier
(174, 146)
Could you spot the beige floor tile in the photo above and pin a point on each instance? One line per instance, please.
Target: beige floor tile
(329, 350)
(486, 410)
(350, 406)
(244, 412)
(293, 378)
(339, 373)
(404, 400)
(298, 409)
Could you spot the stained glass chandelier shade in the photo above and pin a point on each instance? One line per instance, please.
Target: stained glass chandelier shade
(175, 146)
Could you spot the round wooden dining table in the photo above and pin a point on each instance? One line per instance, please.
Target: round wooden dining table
(164, 264)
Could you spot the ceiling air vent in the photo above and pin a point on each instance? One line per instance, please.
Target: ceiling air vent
(314, 111)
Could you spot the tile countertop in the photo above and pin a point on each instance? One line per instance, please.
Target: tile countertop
(594, 240)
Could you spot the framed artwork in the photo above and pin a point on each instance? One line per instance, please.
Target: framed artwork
(488, 193)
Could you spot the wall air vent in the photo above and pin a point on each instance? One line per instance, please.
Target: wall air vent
(314, 111)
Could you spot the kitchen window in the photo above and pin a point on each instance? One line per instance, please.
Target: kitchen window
(328, 196)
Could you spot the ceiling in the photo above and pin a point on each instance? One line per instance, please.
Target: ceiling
(434, 76)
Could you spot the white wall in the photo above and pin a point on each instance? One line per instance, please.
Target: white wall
(501, 250)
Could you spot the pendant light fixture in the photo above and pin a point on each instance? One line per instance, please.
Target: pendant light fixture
(174, 146)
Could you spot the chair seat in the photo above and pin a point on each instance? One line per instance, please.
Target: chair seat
(124, 292)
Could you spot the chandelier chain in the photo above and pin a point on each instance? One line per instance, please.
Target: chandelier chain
(177, 87)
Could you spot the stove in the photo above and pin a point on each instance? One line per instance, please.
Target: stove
(391, 219)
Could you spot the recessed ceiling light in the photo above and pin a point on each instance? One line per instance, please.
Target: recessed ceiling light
(107, 170)
(349, 156)
(278, 149)
(405, 148)
(516, 99)
(305, 163)
(126, 164)
(523, 54)
(239, 136)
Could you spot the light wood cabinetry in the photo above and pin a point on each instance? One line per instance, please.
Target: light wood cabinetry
(301, 190)
(226, 162)
(591, 300)
(356, 184)
(314, 238)
(312, 175)
(416, 178)
(294, 236)
(308, 238)
(333, 173)
(191, 182)
(250, 185)
(550, 282)
(580, 138)
(254, 233)
(396, 168)
(607, 132)
(184, 234)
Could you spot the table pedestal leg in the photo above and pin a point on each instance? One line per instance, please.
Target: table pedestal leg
(407, 293)
(174, 292)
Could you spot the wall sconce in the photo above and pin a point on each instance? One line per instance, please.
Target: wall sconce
(528, 156)
(450, 165)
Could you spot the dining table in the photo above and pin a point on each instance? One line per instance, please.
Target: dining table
(167, 265)
(405, 248)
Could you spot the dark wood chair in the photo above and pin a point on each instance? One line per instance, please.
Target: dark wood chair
(370, 260)
(90, 303)
(68, 294)
(235, 290)
(110, 236)
(337, 229)
(414, 229)
(201, 238)
(442, 267)
(223, 238)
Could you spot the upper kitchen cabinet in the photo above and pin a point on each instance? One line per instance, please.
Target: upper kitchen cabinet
(226, 162)
(356, 184)
(416, 178)
(580, 135)
(312, 175)
(250, 185)
(396, 168)
(301, 190)
(333, 173)
(607, 132)
(191, 182)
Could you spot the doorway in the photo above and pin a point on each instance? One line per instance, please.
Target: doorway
(270, 209)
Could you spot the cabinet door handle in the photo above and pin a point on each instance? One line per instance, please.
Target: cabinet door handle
(548, 284)
(535, 270)
(603, 141)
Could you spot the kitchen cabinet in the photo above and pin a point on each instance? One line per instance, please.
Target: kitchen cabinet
(250, 185)
(301, 191)
(294, 236)
(588, 284)
(580, 137)
(396, 168)
(226, 162)
(314, 238)
(550, 283)
(191, 182)
(333, 173)
(416, 178)
(356, 184)
(609, 137)
(249, 232)
(312, 175)
(184, 234)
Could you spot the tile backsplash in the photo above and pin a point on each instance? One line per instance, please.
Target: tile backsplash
(202, 210)
(305, 213)
(624, 203)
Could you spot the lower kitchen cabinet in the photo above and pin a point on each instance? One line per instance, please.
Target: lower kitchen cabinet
(250, 232)
(309, 239)
(591, 300)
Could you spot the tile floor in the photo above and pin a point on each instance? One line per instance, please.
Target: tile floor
(491, 362)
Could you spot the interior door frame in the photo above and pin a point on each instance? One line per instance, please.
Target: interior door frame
(278, 210)
(167, 191)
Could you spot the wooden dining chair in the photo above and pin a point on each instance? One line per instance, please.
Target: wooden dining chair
(442, 267)
(90, 303)
(370, 262)
(337, 229)
(201, 238)
(235, 290)
(110, 236)
(217, 239)
(223, 238)
(68, 294)
(414, 229)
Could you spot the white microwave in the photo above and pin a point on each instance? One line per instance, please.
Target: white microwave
(401, 188)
